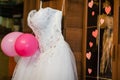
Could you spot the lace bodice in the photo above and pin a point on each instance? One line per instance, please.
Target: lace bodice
(46, 25)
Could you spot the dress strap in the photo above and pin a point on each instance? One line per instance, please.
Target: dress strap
(40, 4)
(63, 5)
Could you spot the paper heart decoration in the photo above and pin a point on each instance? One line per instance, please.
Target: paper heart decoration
(102, 21)
(107, 9)
(89, 70)
(93, 13)
(90, 44)
(95, 33)
(90, 4)
(88, 55)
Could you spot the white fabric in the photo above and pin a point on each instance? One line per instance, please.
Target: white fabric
(54, 60)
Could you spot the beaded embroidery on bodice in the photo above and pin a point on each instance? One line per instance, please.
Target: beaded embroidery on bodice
(46, 25)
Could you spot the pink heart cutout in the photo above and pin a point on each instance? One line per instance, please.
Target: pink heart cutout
(107, 9)
(101, 21)
(88, 55)
(93, 13)
(95, 33)
(90, 44)
(90, 4)
(89, 70)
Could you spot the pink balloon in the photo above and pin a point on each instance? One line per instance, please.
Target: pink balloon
(26, 45)
(8, 42)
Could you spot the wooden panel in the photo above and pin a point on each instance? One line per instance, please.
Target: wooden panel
(84, 38)
(74, 37)
(119, 27)
(56, 4)
(78, 57)
(74, 13)
(115, 41)
(11, 66)
(73, 29)
(118, 62)
(118, 45)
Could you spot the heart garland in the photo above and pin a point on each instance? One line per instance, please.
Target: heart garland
(108, 9)
(88, 55)
(90, 44)
(102, 21)
(93, 13)
(95, 33)
(89, 70)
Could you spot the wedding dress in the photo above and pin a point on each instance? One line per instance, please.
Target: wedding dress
(54, 59)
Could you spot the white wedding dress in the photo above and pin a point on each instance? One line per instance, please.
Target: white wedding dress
(54, 59)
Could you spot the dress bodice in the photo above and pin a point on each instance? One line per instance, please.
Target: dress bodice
(46, 25)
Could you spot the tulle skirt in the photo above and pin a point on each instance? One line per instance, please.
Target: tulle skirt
(55, 64)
